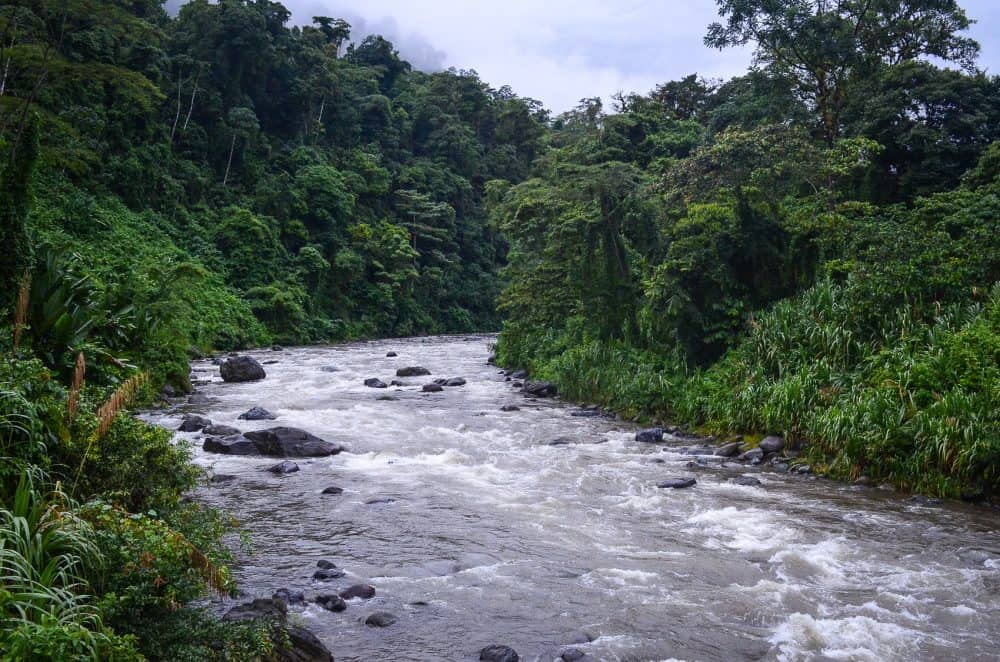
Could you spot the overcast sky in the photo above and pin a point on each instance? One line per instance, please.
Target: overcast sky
(559, 51)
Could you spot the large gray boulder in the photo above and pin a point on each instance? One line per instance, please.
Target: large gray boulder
(771, 444)
(412, 371)
(242, 369)
(650, 436)
(234, 444)
(291, 442)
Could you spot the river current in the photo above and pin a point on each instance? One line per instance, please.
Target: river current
(475, 530)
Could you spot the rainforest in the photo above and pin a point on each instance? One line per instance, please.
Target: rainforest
(810, 250)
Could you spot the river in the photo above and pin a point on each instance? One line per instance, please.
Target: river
(476, 531)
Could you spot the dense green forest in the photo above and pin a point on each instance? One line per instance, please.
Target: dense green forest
(810, 249)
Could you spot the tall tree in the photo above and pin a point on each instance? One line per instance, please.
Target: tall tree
(826, 45)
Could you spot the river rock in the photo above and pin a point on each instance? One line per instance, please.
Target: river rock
(323, 564)
(289, 596)
(432, 388)
(331, 602)
(728, 450)
(259, 609)
(748, 481)
(519, 374)
(541, 389)
(412, 371)
(303, 646)
(518, 384)
(387, 398)
(397, 382)
(650, 436)
(257, 414)
(677, 483)
(375, 382)
(277, 348)
(455, 381)
(510, 408)
(242, 369)
(221, 478)
(380, 619)
(283, 468)
(771, 444)
(391, 355)
(326, 574)
(216, 430)
(333, 490)
(193, 423)
(363, 591)
(234, 444)
(291, 442)
(572, 655)
(496, 653)
(753, 456)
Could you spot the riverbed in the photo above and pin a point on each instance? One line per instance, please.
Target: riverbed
(475, 529)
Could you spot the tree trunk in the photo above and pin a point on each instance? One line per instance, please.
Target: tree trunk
(194, 91)
(177, 115)
(232, 147)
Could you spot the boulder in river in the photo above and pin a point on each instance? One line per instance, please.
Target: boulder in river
(519, 374)
(331, 602)
(299, 644)
(391, 355)
(650, 436)
(303, 646)
(771, 444)
(283, 468)
(412, 371)
(234, 444)
(380, 619)
(496, 653)
(541, 389)
(193, 423)
(432, 388)
(217, 430)
(242, 369)
(259, 609)
(728, 450)
(277, 348)
(677, 483)
(333, 490)
(375, 382)
(290, 596)
(291, 442)
(257, 414)
(455, 381)
(363, 591)
(753, 456)
(748, 481)
(510, 408)
(572, 655)
(326, 574)
(323, 564)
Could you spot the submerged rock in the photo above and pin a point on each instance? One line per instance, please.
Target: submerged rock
(432, 388)
(572, 655)
(333, 490)
(242, 369)
(331, 602)
(283, 468)
(363, 591)
(326, 574)
(375, 382)
(193, 423)
(291, 442)
(391, 355)
(519, 374)
(412, 371)
(455, 381)
(541, 389)
(496, 653)
(748, 481)
(380, 619)
(289, 596)
(510, 408)
(677, 483)
(257, 414)
(650, 436)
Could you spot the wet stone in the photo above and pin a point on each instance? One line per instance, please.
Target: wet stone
(650, 436)
(412, 371)
(748, 481)
(283, 468)
(193, 423)
(510, 408)
(290, 596)
(677, 483)
(380, 619)
(497, 653)
(375, 382)
(333, 490)
(362, 591)
(331, 602)
(257, 414)
(327, 574)
(432, 388)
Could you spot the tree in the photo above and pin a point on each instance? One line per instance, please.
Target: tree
(15, 192)
(243, 124)
(825, 46)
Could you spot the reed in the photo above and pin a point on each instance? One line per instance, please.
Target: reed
(74, 390)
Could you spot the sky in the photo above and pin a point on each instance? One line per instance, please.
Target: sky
(560, 51)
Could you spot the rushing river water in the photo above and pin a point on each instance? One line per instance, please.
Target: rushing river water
(496, 536)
